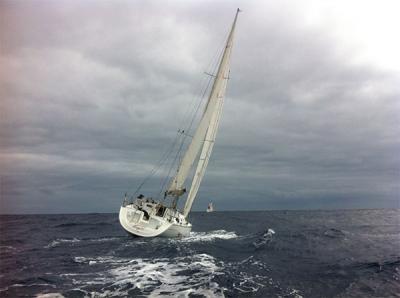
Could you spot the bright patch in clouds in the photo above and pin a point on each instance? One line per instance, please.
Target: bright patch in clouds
(371, 27)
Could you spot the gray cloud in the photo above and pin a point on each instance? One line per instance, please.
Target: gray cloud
(92, 95)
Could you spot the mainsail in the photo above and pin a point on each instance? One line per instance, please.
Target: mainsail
(204, 137)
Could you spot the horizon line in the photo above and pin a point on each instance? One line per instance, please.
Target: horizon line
(250, 210)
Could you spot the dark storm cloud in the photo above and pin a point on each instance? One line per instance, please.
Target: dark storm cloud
(92, 94)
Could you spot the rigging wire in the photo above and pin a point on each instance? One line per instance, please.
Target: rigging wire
(178, 153)
(210, 67)
(191, 112)
(160, 162)
(195, 111)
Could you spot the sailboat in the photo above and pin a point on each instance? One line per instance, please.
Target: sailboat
(210, 207)
(148, 218)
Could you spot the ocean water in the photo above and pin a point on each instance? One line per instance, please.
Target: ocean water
(343, 253)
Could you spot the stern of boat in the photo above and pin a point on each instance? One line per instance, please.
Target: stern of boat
(145, 221)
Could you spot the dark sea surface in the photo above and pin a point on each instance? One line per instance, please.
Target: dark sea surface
(342, 253)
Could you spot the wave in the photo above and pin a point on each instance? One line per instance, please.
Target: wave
(50, 295)
(107, 259)
(59, 242)
(104, 239)
(208, 236)
(74, 224)
(266, 238)
(185, 276)
(374, 279)
(181, 276)
(7, 248)
(251, 275)
(388, 265)
(334, 233)
(18, 285)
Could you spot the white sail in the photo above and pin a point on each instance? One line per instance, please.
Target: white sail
(205, 155)
(205, 133)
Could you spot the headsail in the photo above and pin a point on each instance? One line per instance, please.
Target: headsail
(204, 137)
(205, 152)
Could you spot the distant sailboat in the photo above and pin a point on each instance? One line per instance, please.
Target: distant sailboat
(210, 207)
(148, 218)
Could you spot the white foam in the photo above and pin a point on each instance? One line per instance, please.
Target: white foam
(295, 293)
(179, 276)
(149, 273)
(251, 283)
(92, 261)
(50, 295)
(105, 239)
(57, 242)
(265, 239)
(208, 236)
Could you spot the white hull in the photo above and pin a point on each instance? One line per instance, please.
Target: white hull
(144, 221)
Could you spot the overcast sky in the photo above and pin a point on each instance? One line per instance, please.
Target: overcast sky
(92, 93)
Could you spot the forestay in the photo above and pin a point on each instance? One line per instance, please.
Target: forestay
(204, 137)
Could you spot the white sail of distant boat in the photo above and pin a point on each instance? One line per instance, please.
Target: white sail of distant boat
(210, 207)
(148, 218)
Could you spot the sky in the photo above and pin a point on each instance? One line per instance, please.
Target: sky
(93, 92)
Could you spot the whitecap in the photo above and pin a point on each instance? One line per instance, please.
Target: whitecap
(58, 242)
(208, 236)
(181, 276)
(265, 239)
(295, 293)
(191, 275)
(50, 295)
(248, 284)
(80, 259)
(92, 261)
(105, 239)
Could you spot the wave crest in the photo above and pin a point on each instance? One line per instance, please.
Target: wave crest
(209, 236)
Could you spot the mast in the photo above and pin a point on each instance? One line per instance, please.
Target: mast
(213, 110)
(209, 119)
